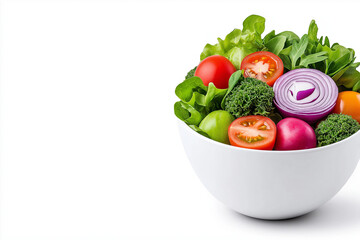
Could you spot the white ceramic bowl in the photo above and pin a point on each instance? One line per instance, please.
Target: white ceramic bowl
(271, 184)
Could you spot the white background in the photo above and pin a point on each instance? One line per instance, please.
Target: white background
(89, 142)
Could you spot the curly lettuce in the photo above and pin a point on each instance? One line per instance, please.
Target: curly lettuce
(197, 100)
(239, 43)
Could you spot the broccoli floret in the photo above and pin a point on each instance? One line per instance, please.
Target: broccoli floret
(191, 73)
(334, 128)
(250, 97)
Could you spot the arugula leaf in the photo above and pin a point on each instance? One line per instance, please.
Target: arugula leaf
(312, 32)
(269, 36)
(350, 79)
(276, 44)
(298, 49)
(290, 37)
(284, 55)
(286, 61)
(339, 57)
(306, 60)
(286, 51)
(313, 52)
(339, 74)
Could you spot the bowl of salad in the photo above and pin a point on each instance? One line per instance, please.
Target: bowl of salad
(270, 123)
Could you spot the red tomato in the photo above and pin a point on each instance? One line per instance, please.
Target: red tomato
(264, 66)
(348, 103)
(216, 69)
(255, 132)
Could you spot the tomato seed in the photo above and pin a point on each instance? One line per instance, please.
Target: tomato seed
(263, 127)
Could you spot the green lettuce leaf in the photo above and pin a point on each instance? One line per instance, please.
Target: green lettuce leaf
(197, 100)
(239, 43)
(187, 113)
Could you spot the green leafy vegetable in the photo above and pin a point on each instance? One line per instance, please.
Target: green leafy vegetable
(335, 128)
(349, 78)
(191, 73)
(275, 116)
(340, 62)
(239, 43)
(268, 37)
(312, 32)
(297, 50)
(187, 113)
(307, 60)
(234, 79)
(312, 52)
(276, 44)
(197, 100)
(290, 37)
(198, 130)
(248, 96)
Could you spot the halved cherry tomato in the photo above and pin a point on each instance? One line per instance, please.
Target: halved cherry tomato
(348, 103)
(255, 132)
(264, 66)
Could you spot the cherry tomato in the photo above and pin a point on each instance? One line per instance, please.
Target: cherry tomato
(255, 132)
(216, 69)
(348, 103)
(264, 66)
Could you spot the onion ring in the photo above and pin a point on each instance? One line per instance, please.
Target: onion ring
(307, 94)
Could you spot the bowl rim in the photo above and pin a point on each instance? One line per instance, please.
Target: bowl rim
(180, 122)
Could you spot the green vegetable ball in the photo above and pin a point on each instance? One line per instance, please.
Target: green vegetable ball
(190, 73)
(250, 97)
(335, 128)
(216, 125)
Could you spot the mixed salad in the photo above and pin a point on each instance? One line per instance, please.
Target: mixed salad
(280, 91)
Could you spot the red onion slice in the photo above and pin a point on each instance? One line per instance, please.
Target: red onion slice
(307, 94)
